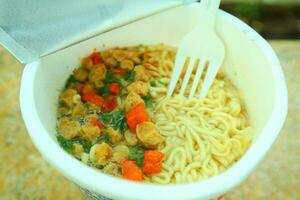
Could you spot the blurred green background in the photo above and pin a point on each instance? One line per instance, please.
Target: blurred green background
(273, 19)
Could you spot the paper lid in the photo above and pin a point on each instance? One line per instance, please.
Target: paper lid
(35, 28)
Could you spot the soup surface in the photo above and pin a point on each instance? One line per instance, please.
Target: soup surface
(113, 115)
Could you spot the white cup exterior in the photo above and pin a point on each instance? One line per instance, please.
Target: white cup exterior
(250, 63)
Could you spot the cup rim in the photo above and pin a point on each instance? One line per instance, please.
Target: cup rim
(113, 187)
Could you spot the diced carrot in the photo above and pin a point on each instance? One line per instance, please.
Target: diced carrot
(94, 98)
(94, 121)
(136, 116)
(96, 58)
(142, 117)
(114, 88)
(132, 123)
(118, 71)
(131, 171)
(137, 109)
(85, 88)
(152, 161)
(110, 103)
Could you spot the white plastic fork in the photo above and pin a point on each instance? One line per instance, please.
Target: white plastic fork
(201, 47)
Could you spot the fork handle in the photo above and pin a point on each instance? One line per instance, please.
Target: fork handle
(210, 8)
(211, 5)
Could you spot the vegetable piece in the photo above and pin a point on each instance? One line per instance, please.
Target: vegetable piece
(148, 134)
(110, 76)
(115, 119)
(94, 121)
(130, 75)
(97, 75)
(110, 103)
(78, 110)
(118, 71)
(103, 138)
(130, 138)
(114, 88)
(104, 91)
(87, 63)
(96, 58)
(136, 116)
(137, 109)
(114, 135)
(80, 74)
(71, 80)
(148, 101)
(68, 144)
(152, 161)
(131, 171)
(110, 61)
(68, 128)
(120, 153)
(78, 150)
(142, 117)
(132, 123)
(132, 100)
(138, 87)
(85, 88)
(94, 98)
(137, 154)
(100, 153)
(119, 120)
(67, 97)
(127, 64)
(111, 168)
(90, 131)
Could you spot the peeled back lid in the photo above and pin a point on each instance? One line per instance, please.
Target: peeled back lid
(35, 28)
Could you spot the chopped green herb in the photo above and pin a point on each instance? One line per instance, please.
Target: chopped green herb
(105, 118)
(117, 65)
(115, 119)
(119, 120)
(68, 144)
(123, 83)
(99, 166)
(110, 77)
(71, 80)
(148, 101)
(104, 91)
(119, 170)
(137, 154)
(130, 75)
(81, 120)
(103, 138)
(152, 83)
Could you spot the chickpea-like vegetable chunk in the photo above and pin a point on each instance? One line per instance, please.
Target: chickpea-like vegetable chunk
(80, 74)
(90, 131)
(67, 97)
(68, 128)
(114, 135)
(138, 87)
(130, 138)
(132, 100)
(97, 74)
(120, 153)
(148, 134)
(100, 153)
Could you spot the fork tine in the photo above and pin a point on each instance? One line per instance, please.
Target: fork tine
(198, 74)
(179, 63)
(210, 75)
(187, 75)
